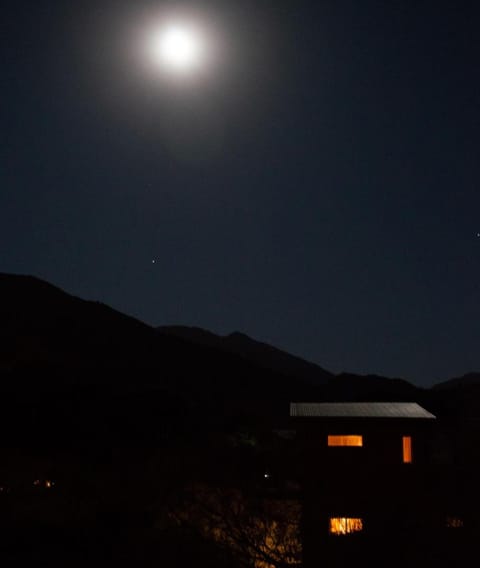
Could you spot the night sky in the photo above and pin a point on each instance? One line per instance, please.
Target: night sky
(315, 186)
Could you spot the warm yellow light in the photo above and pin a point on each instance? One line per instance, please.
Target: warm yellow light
(48, 483)
(345, 525)
(350, 440)
(407, 449)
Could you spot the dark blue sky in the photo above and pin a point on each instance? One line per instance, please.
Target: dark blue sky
(318, 189)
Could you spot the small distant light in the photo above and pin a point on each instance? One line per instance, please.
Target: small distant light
(47, 483)
(153, 261)
(266, 475)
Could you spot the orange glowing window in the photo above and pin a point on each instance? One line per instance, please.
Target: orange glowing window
(345, 440)
(345, 525)
(407, 449)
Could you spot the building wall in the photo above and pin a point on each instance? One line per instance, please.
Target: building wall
(370, 482)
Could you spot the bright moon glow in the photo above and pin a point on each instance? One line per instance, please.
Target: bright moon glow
(178, 48)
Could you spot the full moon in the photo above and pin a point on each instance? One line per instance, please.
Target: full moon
(178, 48)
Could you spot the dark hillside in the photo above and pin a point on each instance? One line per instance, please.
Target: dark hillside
(63, 358)
(262, 354)
(467, 380)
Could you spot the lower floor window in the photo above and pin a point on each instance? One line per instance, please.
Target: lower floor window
(345, 525)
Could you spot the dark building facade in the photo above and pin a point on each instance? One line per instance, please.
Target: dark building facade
(365, 471)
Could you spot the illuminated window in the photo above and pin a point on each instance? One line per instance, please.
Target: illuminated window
(345, 440)
(345, 525)
(407, 449)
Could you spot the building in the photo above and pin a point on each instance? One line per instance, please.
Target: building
(365, 471)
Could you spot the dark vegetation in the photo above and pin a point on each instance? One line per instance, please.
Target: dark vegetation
(109, 425)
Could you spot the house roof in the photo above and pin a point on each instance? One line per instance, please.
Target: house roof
(359, 410)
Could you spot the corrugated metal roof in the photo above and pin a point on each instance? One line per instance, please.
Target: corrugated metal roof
(359, 410)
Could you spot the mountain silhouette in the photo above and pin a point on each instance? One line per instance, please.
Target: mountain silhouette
(63, 358)
(345, 386)
(467, 380)
(262, 354)
(51, 340)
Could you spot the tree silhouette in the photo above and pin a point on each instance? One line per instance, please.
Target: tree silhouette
(259, 531)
